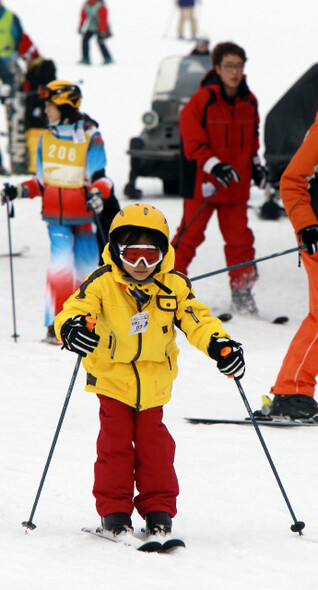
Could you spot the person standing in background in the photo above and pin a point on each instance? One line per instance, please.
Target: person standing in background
(219, 145)
(186, 9)
(10, 73)
(94, 21)
(40, 71)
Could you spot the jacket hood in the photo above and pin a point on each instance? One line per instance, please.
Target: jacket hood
(150, 285)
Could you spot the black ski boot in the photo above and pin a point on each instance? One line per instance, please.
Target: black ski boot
(158, 523)
(117, 523)
(295, 407)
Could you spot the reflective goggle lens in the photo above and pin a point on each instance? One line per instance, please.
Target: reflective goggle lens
(150, 255)
(44, 92)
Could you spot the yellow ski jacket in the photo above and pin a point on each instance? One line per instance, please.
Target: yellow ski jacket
(135, 361)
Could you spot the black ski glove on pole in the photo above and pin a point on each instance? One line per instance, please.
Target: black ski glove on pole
(77, 337)
(232, 364)
(309, 236)
(224, 173)
(95, 201)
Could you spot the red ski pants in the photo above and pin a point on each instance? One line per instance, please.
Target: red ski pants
(298, 372)
(238, 238)
(134, 448)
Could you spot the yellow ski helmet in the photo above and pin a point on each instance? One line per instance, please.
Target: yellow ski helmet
(140, 216)
(61, 92)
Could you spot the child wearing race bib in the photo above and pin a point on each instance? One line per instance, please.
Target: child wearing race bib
(70, 178)
(130, 358)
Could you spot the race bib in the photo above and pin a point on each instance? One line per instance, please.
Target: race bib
(139, 323)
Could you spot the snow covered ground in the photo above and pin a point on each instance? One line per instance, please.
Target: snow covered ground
(230, 510)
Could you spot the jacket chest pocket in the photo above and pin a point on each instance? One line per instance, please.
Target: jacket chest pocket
(167, 302)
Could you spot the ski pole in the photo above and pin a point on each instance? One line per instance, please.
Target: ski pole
(28, 524)
(98, 223)
(298, 524)
(168, 25)
(185, 229)
(9, 215)
(100, 228)
(227, 268)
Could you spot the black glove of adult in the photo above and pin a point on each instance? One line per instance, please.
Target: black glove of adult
(233, 364)
(77, 337)
(259, 172)
(95, 201)
(224, 173)
(309, 236)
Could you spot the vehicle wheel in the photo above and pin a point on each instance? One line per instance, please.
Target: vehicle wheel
(171, 187)
(132, 192)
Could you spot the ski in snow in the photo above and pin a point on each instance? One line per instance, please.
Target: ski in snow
(278, 422)
(281, 319)
(141, 542)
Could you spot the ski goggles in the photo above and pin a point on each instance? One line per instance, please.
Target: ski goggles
(46, 93)
(132, 255)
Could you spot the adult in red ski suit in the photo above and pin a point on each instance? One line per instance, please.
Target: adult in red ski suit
(219, 145)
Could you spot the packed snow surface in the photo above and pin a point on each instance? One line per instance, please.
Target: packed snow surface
(231, 512)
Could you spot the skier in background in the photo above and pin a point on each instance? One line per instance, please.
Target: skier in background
(186, 10)
(94, 21)
(138, 300)
(70, 178)
(202, 46)
(10, 73)
(40, 71)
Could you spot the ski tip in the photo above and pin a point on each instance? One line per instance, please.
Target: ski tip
(173, 544)
(151, 547)
(281, 319)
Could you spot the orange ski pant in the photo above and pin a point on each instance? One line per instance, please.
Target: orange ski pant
(299, 370)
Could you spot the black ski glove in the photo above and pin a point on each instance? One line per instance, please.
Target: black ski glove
(77, 337)
(224, 173)
(11, 192)
(259, 172)
(233, 364)
(309, 236)
(95, 201)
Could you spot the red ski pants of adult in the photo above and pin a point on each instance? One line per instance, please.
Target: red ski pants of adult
(134, 448)
(299, 370)
(237, 236)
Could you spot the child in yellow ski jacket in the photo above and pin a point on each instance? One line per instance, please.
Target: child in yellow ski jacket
(130, 358)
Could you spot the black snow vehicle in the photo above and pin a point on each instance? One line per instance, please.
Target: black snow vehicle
(285, 128)
(155, 152)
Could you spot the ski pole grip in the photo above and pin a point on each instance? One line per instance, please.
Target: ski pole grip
(90, 323)
(225, 352)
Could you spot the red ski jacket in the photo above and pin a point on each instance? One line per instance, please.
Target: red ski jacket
(87, 13)
(213, 126)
